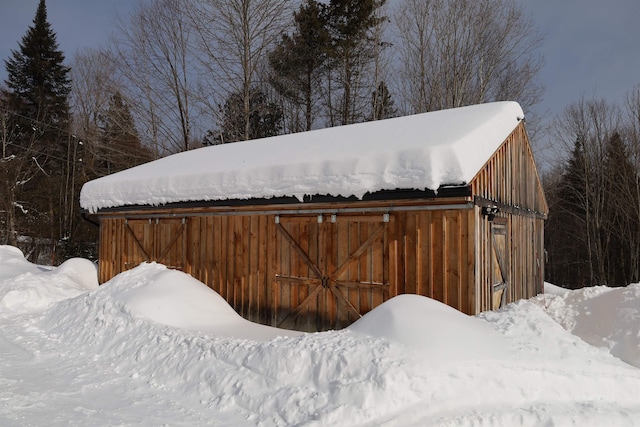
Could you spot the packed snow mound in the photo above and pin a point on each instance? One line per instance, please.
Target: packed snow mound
(169, 297)
(418, 152)
(602, 316)
(26, 288)
(9, 255)
(86, 359)
(402, 373)
(80, 270)
(177, 299)
(443, 333)
(14, 263)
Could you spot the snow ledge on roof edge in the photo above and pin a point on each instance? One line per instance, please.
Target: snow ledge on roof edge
(419, 152)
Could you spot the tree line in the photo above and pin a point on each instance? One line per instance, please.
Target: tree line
(219, 71)
(181, 74)
(593, 230)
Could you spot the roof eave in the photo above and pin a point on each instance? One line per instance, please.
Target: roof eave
(444, 192)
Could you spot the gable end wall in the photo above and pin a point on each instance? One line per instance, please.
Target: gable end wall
(511, 178)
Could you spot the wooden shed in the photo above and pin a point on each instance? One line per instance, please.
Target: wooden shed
(310, 231)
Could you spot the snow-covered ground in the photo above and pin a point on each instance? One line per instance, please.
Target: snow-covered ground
(156, 347)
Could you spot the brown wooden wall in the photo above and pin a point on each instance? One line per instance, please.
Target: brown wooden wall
(301, 273)
(436, 256)
(511, 178)
(524, 258)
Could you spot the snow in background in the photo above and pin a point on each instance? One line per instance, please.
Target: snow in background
(156, 347)
(422, 151)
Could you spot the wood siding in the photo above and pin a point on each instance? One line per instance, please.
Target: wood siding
(297, 272)
(525, 259)
(511, 177)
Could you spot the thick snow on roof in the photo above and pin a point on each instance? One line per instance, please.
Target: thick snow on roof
(423, 151)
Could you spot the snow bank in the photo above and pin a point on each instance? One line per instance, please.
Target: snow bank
(28, 288)
(442, 333)
(404, 363)
(13, 263)
(156, 347)
(310, 379)
(176, 299)
(422, 151)
(552, 289)
(603, 317)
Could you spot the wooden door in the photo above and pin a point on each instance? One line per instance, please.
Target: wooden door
(499, 263)
(330, 269)
(162, 240)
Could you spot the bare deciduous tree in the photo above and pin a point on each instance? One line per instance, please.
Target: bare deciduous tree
(632, 132)
(595, 197)
(93, 74)
(462, 52)
(154, 56)
(234, 38)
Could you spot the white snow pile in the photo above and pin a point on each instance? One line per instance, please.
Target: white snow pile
(600, 316)
(442, 327)
(422, 151)
(27, 287)
(156, 347)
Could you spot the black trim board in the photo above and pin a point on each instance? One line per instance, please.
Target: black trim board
(483, 202)
(400, 194)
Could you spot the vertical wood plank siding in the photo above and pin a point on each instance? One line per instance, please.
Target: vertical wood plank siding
(315, 272)
(242, 258)
(511, 178)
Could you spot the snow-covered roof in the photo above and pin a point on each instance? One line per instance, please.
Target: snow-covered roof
(418, 152)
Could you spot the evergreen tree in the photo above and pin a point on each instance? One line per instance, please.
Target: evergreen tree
(350, 24)
(299, 58)
(265, 119)
(382, 103)
(621, 220)
(38, 81)
(120, 146)
(37, 99)
(565, 231)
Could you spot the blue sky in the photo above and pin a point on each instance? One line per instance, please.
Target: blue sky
(77, 23)
(591, 46)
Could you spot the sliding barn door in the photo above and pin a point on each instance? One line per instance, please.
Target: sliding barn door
(499, 263)
(330, 269)
(162, 240)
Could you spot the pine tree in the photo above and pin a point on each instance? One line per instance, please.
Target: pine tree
(566, 231)
(382, 103)
(38, 81)
(298, 59)
(621, 220)
(120, 146)
(350, 24)
(37, 100)
(265, 119)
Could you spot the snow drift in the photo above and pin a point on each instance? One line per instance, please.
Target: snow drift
(28, 288)
(138, 351)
